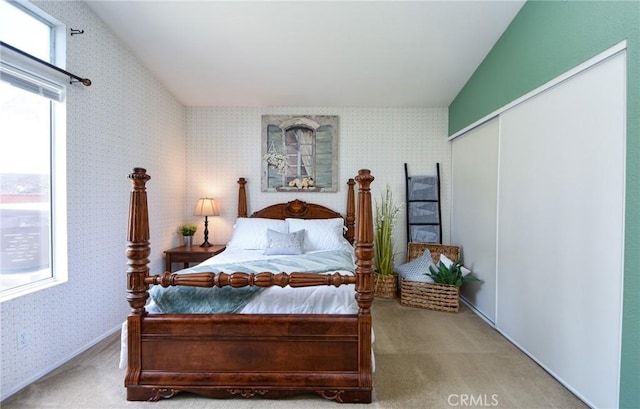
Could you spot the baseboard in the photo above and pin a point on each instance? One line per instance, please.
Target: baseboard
(547, 369)
(477, 312)
(524, 351)
(46, 371)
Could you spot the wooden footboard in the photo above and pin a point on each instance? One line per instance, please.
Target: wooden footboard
(242, 355)
(247, 355)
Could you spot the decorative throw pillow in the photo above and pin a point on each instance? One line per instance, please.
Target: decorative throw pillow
(320, 234)
(447, 262)
(284, 243)
(250, 233)
(417, 269)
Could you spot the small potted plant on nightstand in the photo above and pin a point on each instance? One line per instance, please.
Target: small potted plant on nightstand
(187, 231)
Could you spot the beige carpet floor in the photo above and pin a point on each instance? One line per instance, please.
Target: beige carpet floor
(424, 359)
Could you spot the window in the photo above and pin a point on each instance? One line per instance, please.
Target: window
(32, 155)
(299, 144)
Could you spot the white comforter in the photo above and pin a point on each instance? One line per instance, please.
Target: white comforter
(287, 300)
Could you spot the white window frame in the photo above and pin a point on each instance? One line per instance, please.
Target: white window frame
(53, 80)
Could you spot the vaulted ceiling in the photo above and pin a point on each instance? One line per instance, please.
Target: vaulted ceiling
(310, 53)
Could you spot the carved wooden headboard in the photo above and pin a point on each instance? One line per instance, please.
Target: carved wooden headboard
(302, 210)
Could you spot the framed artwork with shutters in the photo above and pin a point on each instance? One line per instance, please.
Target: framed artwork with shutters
(299, 153)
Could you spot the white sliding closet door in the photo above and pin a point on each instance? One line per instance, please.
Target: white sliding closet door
(560, 229)
(473, 213)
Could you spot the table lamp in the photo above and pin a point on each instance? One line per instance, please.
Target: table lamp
(206, 207)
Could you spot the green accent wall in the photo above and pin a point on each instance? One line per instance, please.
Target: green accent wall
(546, 39)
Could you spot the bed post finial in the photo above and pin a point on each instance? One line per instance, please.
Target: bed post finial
(138, 238)
(364, 242)
(242, 198)
(351, 211)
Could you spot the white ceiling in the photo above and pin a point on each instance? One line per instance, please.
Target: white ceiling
(310, 53)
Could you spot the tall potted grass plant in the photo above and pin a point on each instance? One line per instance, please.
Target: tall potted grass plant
(385, 279)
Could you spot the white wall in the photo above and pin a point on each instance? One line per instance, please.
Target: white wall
(224, 144)
(125, 119)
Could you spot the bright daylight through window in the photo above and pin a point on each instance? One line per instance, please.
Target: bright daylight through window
(31, 130)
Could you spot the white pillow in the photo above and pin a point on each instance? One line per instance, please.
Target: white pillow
(250, 233)
(320, 234)
(284, 243)
(447, 262)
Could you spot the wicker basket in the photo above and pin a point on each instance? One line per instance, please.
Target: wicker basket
(433, 296)
(385, 286)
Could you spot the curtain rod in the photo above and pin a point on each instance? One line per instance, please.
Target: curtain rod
(85, 81)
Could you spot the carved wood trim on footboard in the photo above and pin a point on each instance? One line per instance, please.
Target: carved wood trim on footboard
(241, 279)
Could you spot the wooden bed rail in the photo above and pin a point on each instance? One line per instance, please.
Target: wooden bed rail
(240, 279)
(138, 250)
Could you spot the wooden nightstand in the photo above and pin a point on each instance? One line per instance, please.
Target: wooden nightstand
(193, 254)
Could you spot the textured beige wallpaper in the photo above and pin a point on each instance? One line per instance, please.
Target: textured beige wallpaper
(225, 143)
(125, 119)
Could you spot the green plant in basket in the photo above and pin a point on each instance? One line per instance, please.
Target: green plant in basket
(187, 229)
(452, 275)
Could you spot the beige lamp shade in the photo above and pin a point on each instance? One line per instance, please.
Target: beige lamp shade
(206, 207)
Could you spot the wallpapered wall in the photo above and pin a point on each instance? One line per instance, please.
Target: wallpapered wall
(125, 119)
(224, 144)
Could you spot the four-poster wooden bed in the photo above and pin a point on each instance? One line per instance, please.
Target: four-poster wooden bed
(265, 355)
